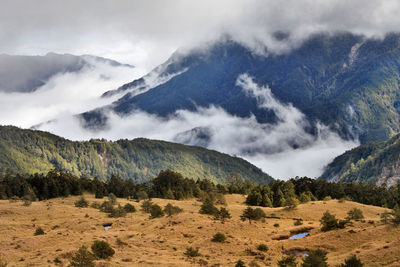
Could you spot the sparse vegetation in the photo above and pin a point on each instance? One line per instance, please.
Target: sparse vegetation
(222, 215)
(39, 231)
(81, 203)
(170, 210)
(156, 211)
(129, 208)
(355, 214)
(208, 208)
(192, 252)
(82, 258)
(219, 237)
(146, 206)
(288, 262)
(102, 250)
(262, 247)
(240, 263)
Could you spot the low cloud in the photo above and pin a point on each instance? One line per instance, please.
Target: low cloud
(284, 149)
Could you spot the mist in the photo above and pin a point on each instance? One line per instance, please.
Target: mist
(284, 149)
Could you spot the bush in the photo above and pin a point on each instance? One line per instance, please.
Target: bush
(291, 203)
(39, 231)
(329, 222)
(112, 198)
(316, 258)
(395, 214)
(129, 208)
(353, 261)
(208, 208)
(219, 237)
(81, 203)
(252, 214)
(102, 250)
(106, 207)
(156, 211)
(287, 262)
(262, 247)
(385, 217)
(192, 252)
(222, 215)
(117, 212)
(170, 210)
(355, 214)
(298, 222)
(82, 257)
(276, 225)
(240, 263)
(146, 206)
(95, 205)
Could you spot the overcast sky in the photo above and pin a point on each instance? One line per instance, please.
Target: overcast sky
(145, 33)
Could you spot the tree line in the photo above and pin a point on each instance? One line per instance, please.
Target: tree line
(172, 185)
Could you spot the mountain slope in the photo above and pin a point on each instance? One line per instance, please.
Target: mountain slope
(345, 81)
(140, 159)
(25, 74)
(376, 162)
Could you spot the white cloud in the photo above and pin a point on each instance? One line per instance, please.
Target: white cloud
(269, 146)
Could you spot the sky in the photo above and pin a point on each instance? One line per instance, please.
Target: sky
(145, 34)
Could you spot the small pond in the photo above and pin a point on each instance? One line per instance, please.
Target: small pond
(298, 236)
(107, 226)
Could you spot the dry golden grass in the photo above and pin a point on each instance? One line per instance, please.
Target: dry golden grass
(162, 242)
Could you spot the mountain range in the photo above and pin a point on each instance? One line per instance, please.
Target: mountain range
(30, 151)
(25, 74)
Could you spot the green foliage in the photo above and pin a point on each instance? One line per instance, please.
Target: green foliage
(39, 231)
(29, 151)
(102, 250)
(81, 203)
(353, 261)
(222, 215)
(192, 252)
(106, 207)
(82, 258)
(156, 211)
(240, 263)
(112, 199)
(385, 217)
(329, 222)
(287, 262)
(316, 258)
(208, 208)
(219, 237)
(129, 208)
(355, 214)
(252, 214)
(395, 215)
(262, 247)
(146, 206)
(170, 210)
(117, 212)
(298, 222)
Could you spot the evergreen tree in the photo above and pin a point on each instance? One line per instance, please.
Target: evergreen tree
(83, 258)
(316, 258)
(353, 261)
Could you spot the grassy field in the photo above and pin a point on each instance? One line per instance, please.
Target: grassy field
(162, 241)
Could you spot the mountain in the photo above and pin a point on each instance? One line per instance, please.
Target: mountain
(140, 159)
(348, 82)
(375, 162)
(25, 74)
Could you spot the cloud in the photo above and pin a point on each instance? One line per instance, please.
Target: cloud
(284, 149)
(145, 33)
(65, 94)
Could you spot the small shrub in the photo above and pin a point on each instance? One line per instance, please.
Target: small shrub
(287, 262)
(355, 214)
(57, 261)
(385, 217)
(208, 208)
(192, 252)
(82, 257)
(170, 210)
(95, 205)
(146, 206)
(262, 247)
(112, 198)
(276, 225)
(27, 203)
(353, 261)
(102, 250)
(117, 212)
(129, 208)
(329, 222)
(81, 203)
(316, 258)
(142, 195)
(327, 198)
(222, 215)
(219, 237)
(240, 263)
(39, 231)
(106, 207)
(120, 243)
(156, 211)
(298, 222)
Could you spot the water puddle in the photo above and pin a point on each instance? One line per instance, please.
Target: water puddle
(298, 236)
(107, 226)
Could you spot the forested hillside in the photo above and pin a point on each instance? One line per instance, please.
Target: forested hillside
(377, 162)
(29, 151)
